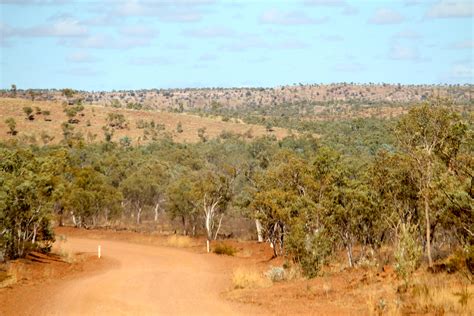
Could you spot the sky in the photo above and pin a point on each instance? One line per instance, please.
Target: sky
(144, 44)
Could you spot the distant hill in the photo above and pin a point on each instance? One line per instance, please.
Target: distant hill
(191, 99)
(137, 126)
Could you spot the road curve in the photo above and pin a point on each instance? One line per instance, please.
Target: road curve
(146, 281)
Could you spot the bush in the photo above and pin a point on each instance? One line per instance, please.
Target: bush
(29, 113)
(310, 251)
(408, 252)
(223, 249)
(276, 274)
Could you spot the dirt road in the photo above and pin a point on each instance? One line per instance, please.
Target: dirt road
(145, 280)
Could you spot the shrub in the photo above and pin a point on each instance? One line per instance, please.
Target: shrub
(223, 249)
(11, 126)
(179, 127)
(310, 251)
(276, 274)
(29, 113)
(408, 252)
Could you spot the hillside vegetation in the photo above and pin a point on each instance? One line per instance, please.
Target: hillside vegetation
(139, 126)
(377, 192)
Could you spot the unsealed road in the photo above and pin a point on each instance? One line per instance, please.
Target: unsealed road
(146, 281)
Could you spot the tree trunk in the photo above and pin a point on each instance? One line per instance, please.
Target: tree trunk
(428, 231)
(258, 224)
(74, 219)
(349, 255)
(156, 212)
(218, 227)
(139, 213)
(183, 221)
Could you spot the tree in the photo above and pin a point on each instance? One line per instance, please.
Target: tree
(13, 89)
(68, 93)
(116, 121)
(72, 111)
(180, 203)
(429, 134)
(89, 197)
(281, 191)
(27, 185)
(11, 126)
(212, 192)
(144, 188)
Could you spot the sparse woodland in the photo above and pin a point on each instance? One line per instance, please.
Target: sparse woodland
(366, 185)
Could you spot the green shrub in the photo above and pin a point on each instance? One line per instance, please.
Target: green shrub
(310, 250)
(408, 252)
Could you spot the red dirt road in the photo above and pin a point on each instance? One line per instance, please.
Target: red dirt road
(146, 280)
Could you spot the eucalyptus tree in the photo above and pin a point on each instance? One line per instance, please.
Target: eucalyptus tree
(430, 135)
(27, 186)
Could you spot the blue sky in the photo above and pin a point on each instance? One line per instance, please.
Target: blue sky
(133, 44)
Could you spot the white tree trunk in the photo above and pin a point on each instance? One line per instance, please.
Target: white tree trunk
(258, 224)
(209, 212)
(157, 207)
(74, 219)
(218, 227)
(139, 213)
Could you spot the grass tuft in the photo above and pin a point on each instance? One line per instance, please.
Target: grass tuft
(180, 241)
(246, 278)
(223, 249)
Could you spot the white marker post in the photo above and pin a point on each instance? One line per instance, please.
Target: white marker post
(98, 251)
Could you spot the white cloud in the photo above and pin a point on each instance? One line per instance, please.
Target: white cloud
(207, 57)
(329, 3)
(171, 11)
(462, 71)
(64, 27)
(451, 9)
(34, 2)
(399, 52)
(333, 38)
(81, 57)
(146, 61)
(256, 42)
(350, 10)
(273, 16)
(408, 34)
(81, 72)
(467, 44)
(291, 44)
(386, 16)
(107, 41)
(349, 67)
(139, 31)
(213, 31)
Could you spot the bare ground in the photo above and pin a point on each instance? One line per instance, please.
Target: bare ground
(138, 280)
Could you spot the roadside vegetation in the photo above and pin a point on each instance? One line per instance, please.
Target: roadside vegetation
(403, 184)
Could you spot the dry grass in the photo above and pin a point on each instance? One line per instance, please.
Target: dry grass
(441, 294)
(248, 278)
(180, 241)
(95, 117)
(61, 248)
(9, 275)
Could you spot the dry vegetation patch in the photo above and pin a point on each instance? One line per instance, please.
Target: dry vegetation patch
(93, 118)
